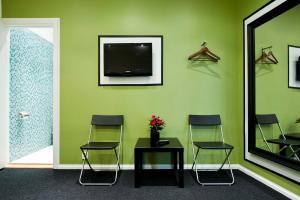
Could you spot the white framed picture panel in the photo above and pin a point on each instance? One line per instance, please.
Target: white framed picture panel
(293, 56)
(157, 61)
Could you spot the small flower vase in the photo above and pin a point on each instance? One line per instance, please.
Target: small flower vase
(154, 137)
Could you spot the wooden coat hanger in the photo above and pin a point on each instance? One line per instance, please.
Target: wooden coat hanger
(266, 58)
(204, 51)
(272, 57)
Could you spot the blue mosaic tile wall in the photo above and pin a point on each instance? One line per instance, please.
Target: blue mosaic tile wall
(31, 77)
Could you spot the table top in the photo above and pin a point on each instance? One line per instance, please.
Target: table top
(293, 136)
(144, 143)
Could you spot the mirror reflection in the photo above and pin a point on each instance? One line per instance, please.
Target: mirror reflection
(277, 72)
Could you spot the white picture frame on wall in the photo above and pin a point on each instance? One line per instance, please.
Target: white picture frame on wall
(293, 58)
(157, 61)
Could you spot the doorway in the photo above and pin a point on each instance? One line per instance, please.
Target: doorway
(32, 93)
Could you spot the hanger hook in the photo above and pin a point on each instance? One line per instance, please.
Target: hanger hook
(263, 49)
(204, 44)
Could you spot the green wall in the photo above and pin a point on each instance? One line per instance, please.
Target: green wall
(188, 89)
(197, 89)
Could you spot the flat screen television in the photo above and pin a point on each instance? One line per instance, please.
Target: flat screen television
(127, 59)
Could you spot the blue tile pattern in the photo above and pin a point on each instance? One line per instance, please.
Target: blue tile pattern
(31, 78)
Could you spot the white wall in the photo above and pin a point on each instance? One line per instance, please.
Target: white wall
(46, 33)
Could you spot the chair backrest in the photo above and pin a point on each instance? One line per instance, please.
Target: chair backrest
(266, 119)
(204, 120)
(107, 120)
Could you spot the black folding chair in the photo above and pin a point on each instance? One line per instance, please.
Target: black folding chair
(103, 120)
(271, 119)
(209, 120)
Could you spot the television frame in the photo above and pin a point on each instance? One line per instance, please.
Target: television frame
(157, 63)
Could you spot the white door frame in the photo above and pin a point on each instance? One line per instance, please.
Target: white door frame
(4, 91)
(37, 22)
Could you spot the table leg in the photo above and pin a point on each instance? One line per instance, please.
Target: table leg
(137, 168)
(181, 172)
(175, 161)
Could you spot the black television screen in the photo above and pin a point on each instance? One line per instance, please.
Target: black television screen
(128, 59)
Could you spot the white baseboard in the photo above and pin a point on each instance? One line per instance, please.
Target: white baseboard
(259, 178)
(269, 183)
(147, 166)
(96, 166)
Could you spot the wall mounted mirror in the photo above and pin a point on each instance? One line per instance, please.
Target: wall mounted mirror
(272, 95)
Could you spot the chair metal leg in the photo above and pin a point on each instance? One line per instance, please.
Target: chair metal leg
(195, 158)
(226, 159)
(81, 172)
(89, 164)
(283, 148)
(264, 138)
(294, 153)
(229, 165)
(195, 163)
(87, 160)
(117, 159)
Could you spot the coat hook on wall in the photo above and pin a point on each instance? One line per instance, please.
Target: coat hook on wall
(204, 54)
(267, 56)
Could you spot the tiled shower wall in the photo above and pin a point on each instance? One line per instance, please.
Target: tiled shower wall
(31, 77)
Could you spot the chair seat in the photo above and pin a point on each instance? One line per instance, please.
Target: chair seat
(99, 145)
(284, 142)
(213, 145)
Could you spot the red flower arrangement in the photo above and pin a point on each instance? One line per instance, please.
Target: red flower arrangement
(157, 123)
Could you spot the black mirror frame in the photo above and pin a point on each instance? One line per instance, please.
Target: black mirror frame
(249, 83)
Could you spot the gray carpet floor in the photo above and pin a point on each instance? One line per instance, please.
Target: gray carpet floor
(44, 184)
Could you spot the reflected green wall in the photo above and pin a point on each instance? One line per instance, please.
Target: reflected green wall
(272, 92)
(272, 80)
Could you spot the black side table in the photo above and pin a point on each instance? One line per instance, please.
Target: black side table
(174, 147)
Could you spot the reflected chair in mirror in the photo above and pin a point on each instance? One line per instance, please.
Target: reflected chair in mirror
(271, 119)
(212, 121)
(99, 121)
